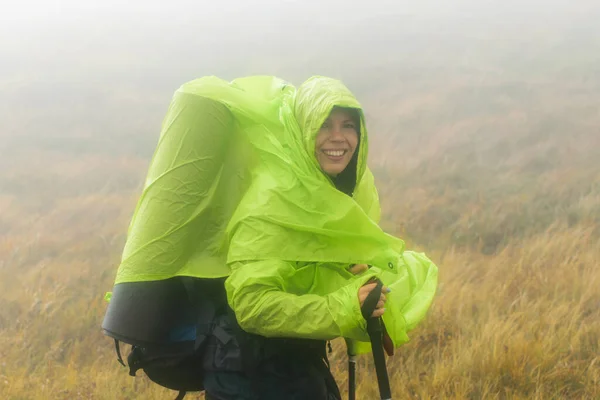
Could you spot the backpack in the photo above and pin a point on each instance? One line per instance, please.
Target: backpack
(175, 330)
(196, 178)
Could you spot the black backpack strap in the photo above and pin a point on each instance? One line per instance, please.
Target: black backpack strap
(118, 350)
(181, 395)
(324, 367)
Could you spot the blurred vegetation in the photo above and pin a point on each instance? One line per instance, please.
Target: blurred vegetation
(490, 165)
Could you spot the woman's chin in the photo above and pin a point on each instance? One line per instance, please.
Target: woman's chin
(333, 171)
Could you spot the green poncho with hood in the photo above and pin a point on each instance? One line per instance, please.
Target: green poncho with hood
(235, 189)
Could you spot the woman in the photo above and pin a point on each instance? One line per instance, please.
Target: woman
(265, 186)
(300, 242)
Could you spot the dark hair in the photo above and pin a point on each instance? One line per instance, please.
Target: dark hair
(354, 113)
(345, 181)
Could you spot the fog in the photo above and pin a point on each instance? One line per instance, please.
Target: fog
(71, 67)
(180, 39)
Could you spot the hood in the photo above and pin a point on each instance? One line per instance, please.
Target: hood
(294, 211)
(310, 105)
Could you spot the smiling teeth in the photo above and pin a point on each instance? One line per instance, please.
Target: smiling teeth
(334, 153)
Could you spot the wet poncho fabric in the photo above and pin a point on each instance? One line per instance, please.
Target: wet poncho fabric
(234, 189)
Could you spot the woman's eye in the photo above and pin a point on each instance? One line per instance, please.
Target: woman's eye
(350, 126)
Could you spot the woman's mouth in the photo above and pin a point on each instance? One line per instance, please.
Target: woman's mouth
(335, 154)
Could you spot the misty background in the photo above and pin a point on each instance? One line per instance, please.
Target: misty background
(457, 86)
(484, 130)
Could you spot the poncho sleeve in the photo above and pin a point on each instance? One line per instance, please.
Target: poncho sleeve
(263, 295)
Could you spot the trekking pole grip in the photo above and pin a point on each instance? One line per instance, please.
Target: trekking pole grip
(375, 331)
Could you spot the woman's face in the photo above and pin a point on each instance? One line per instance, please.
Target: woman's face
(336, 141)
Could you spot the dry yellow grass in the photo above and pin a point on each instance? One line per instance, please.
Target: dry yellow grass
(496, 180)
(522, 324)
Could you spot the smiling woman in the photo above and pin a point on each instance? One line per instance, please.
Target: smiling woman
(337, 140)
(262, 192)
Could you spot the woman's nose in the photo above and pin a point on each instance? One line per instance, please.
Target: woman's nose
(336, 133)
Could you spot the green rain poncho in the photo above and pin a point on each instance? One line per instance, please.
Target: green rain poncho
(234, 189)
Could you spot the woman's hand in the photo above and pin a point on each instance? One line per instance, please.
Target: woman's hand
(358, 268)
(364, 291)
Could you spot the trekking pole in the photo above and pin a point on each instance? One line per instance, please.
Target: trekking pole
(375, 331)
(351, 376)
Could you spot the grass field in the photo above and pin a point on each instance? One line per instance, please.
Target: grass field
(492, 170)
(517, 314)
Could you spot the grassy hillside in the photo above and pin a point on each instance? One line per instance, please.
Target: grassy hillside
(490, 164)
